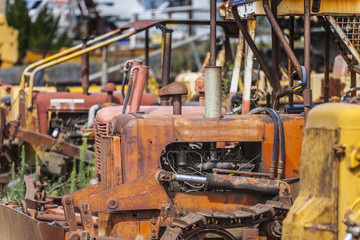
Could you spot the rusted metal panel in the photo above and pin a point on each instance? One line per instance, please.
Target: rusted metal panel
(166, 129)
(47, 142)
(124, 225)
(75, 103)
(117, 161)
(296, 7)
(215, 201)
(18, 226)
(86, 217)
(69, 213)
(84, 193)
(130, 196)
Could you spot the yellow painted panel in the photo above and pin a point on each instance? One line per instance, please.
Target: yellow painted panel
(296, 7)
(329, 184)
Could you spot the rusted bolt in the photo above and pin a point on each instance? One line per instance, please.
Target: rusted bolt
(167, 209)
(286, 191)
(74, 236)
(67, 201)
(112, 203)
(85, 208)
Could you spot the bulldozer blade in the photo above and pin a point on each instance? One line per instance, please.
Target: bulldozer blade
(16, 225)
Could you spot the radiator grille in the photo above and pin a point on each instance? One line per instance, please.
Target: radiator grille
(100, 130)
(351, 28)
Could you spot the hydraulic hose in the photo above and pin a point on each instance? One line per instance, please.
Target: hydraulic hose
(276, 133)
(348, 92)
(126, 99)
(282, 144)
(123, 85)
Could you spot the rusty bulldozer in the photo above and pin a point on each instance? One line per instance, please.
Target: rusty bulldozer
(180, 172)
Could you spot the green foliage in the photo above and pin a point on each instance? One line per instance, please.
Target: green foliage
(81, 176)
(73, 181)
(21, 184)
(41, 29)
(12, 189)
(33, 36)
(17, 15)
(17, 191)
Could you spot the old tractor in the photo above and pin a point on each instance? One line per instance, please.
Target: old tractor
(166, 175)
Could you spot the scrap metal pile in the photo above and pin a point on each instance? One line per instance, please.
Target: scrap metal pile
(193, 172)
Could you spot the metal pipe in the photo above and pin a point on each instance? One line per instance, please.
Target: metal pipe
(85, 70)
(66, 58)
(281, 38)
(166, 60)
(249, 61)
(138, 89)
(147, 48)
(189, 178)
(177, 110)
(353, 79)
(212, 33)
(327, 62)
(291, 66)
(307, 93)
(61, 54)
(274, 44)
(212, 92)
(253, 174)
(236, 76)
(91, 115)
(274, 84)
(104, 76)
(353, 82)
(258, 185)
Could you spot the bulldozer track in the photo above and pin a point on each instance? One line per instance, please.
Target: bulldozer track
(197, 225)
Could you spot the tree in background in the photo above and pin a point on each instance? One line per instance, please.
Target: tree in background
(17, 15)
(41, 29)
(33, 36)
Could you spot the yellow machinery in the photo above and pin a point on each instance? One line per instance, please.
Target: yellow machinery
(329, 175)
(8, 43)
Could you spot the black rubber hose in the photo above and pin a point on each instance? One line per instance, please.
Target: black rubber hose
(282, 144)
(276, 133)
(123, 85)
(126, 99)
(349, 91)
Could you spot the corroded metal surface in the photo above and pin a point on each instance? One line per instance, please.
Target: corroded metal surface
(23, 227)
(47, 142)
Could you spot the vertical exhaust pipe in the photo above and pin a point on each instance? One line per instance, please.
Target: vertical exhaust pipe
(213, 73)
(166, 53)
(139, 84)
